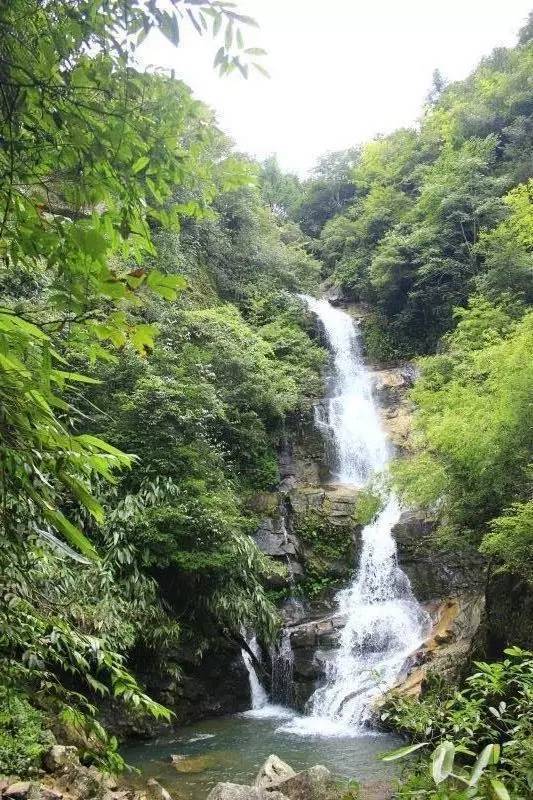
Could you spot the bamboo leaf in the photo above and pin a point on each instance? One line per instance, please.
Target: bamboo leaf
(401, 752)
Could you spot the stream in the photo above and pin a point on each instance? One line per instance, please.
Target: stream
(234, 748)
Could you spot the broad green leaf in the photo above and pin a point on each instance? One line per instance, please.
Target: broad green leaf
(401, 752)
(12, 364)
(497, 790)
(76, 377)
(166, 286)
(84, 496)
(140, 164)
(485, 757)
(143, 337)
(260, 68)
(442, 761)
(10, 321)
(64, 548)
(100, 444)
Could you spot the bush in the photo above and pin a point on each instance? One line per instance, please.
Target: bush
(495, 707)
(23, 739)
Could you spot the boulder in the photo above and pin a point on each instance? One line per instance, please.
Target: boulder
(376, 790)
(236, 791)
(390, 385)
(47, 793)
(85, 783)
(272, 771)
(156, 791)
(311, 784)
(18, 791)
(293, 611)
(60, 756)
(272, 544)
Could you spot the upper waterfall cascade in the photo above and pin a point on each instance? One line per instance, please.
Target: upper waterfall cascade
(385, 623)
(348, 417)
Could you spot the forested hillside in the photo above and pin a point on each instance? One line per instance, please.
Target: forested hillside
(431, 228)
(154, 352)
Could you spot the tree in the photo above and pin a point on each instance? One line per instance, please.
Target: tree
(281, 191)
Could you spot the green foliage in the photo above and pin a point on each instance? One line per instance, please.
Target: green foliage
(368, 506)
(437, 214)
(510, 539)
(118, 192)
(23, 738)
(474, 424)
(448, 781)
(327, 541)
(328, 553)
(493, 711)
(281, 191)
(330, 189)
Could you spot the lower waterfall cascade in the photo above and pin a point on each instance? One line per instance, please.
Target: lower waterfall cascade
(385, 625)
(258, 696)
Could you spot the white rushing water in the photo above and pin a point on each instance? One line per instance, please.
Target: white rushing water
(258, 696)
(385, 624)
(348, 417)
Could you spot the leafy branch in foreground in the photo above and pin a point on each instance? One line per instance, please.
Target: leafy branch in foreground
(494, 710)
(477, 783)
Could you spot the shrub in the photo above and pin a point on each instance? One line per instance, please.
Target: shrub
(23, 739)
(495, 707)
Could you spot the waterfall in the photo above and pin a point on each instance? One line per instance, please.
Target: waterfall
(285, 534)
(385, 624)
(258, 695)
(348, 417)
(282, 671)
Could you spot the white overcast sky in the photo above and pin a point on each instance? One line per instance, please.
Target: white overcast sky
(341, 70)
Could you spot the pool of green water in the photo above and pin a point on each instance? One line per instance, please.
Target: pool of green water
(233, 749)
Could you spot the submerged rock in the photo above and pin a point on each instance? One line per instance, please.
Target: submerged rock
(272, 771)
(202, 761)
(156, 791)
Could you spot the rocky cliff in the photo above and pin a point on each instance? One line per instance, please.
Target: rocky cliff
(314, 528)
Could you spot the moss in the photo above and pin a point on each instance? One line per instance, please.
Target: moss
(368, 505)
(328, 553)
(326, 541)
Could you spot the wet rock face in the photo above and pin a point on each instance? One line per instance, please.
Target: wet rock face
(435, 573)
(311, 642)
(456, 624)
(312, 529)
(508, 615)
(210, 686)
(391, 389)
